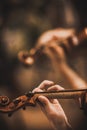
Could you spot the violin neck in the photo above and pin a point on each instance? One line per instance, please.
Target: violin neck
(62, 94)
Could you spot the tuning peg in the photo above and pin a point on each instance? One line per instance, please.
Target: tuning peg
(29, 94)
(9, 114)
(16, 101)
(24, 108)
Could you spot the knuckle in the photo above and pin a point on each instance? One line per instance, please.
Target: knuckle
(58, 87)
(36, 90)
(46, 81)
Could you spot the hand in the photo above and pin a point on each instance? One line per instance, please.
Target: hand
(54, 42)
(56, 54)
(59, 34)
(52, 108)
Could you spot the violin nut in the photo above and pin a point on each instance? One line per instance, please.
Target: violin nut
(29, 94)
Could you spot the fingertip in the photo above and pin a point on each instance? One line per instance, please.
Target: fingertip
(55, 88)
(36, 90)
(45, 83)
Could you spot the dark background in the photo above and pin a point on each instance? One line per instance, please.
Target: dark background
(21, 23)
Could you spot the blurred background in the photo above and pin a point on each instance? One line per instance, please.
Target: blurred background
(21, 24)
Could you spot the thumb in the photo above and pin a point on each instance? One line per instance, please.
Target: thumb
(44, 102)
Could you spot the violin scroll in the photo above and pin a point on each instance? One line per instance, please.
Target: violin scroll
(4, 100)
(7, 106)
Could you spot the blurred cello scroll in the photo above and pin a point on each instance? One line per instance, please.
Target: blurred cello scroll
(29, 99)
(65, 38)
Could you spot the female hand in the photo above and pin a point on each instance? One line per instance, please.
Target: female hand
(52, 108)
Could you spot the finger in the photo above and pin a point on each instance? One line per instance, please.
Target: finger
(57, 50)
(55, 88)
(45, 84)
(49, 53)
(45, 101)
(37, 90)
(46, 105)
(54, 101)
(52, 56)
(55, 53)
(46, 37)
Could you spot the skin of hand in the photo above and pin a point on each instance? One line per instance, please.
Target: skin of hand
(53, 48)
(55, 53)
(58, 34)
(58, 59)
(47, 38)
(52, 108)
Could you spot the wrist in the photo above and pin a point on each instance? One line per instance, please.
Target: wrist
(67, 126)
(62, 126)
(63, 66)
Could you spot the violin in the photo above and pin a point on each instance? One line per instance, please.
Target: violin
(30, 98)
(29, 57)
